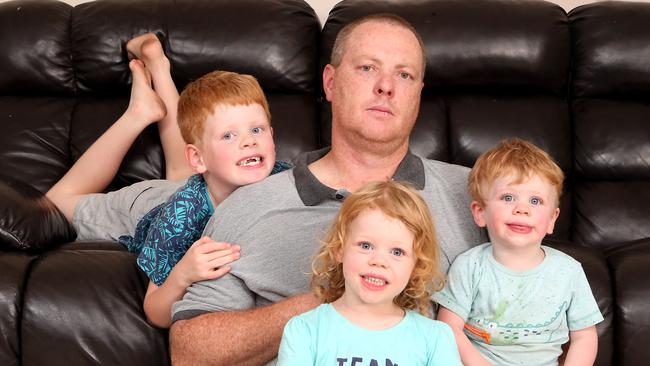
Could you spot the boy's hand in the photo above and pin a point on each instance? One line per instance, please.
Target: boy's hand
(205, 260)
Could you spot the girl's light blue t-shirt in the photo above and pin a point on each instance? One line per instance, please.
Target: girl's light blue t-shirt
(324, 337)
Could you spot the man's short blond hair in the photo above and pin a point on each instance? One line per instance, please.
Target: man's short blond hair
(515, 157)
(200, 98)
(342, 38)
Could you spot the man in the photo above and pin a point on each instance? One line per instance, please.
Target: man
(374, 83)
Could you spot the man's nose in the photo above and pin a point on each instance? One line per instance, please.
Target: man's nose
(385, 86)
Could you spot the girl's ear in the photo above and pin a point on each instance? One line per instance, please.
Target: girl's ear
(478, 212)
(194, 158)
(338, 254)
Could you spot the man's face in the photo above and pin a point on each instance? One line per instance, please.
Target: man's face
(375, 90)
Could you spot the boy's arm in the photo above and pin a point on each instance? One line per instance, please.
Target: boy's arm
(206, 259)
(248, 337)
(583, 347)
(468, 354)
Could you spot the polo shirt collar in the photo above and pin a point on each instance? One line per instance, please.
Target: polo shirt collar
(312, 192)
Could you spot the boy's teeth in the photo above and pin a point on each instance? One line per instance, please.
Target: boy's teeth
(250, 161)
(374, 281)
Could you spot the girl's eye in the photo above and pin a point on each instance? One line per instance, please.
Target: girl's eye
(228, 136)
(365, 245)
(405, 75)
(508, 198)
(256, 130)
(397, 252)
(535, 201)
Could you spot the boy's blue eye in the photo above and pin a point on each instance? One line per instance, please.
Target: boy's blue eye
(365, 245)
(256, 130)
(228, 136)
(397, 252)
(508, 198)
(535, 201)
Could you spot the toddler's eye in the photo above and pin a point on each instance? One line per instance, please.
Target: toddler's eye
(365, 245)
(508, 198)
(256, 130)
(228, 136)
(397, 252)
(535, 201)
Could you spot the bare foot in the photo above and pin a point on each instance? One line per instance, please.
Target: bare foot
(134, 45)
(148, 49)
(145, 106)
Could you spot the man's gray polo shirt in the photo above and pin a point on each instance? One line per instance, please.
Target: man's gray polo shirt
(280, 221)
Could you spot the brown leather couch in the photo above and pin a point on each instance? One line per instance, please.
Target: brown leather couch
(577, 85)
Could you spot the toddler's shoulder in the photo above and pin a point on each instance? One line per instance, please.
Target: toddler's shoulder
(561, 258)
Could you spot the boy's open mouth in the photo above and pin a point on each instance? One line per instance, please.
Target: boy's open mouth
(253, 160)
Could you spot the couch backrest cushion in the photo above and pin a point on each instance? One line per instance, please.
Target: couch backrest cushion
(67, 90)
(610, 114)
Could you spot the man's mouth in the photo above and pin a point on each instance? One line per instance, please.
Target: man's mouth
(380, 109)
(250, 161)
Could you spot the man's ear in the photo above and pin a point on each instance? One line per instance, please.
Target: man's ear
(194, 158)
(328, 81)
(551, 224)
(479, 213)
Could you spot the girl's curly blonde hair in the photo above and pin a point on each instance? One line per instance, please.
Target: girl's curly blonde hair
(398, 201)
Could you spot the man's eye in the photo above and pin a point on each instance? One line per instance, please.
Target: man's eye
(508, 198)
(228, 136)
(535, 201)
(256, 130)
(405, 75)
(397, 252)
(366, 68)
(365, 245)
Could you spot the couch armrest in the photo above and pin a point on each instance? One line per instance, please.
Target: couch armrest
(29, 221)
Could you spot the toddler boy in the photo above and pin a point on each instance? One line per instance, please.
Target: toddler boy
(513, 301)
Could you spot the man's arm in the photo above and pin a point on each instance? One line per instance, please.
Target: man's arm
(248, 337)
